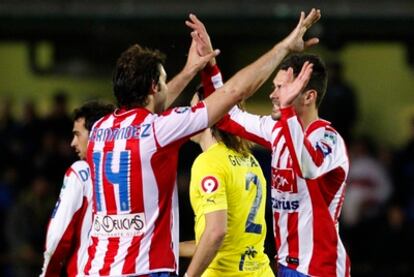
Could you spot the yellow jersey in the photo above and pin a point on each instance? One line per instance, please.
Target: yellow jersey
(222, 179)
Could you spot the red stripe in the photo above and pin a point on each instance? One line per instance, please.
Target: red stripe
(228, 125)
(91, 254)
(325, 237)
(276, 216)
(329, 184)
(131, 256)
(290, 145)
(161, 241)
(293, 238)
(111, 251)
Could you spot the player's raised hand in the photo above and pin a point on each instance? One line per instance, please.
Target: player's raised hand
(291, 87)
(294, 41)
(200, 34)
(195, 61)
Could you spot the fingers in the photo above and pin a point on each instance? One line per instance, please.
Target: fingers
(210, 56)
(311, 42)
(313, 17)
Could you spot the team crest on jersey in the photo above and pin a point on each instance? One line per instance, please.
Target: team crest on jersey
(283, 180)
(324, 147)
(209, 184)
(181, 109)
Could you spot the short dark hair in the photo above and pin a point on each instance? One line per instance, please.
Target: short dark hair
(319, 77)
(231, 141)
(135, 70)
(92, 111)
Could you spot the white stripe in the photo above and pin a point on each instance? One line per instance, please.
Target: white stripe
(341, 260)
(150, 199)
(305, 218)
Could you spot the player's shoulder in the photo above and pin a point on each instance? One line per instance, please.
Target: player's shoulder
(79, 169)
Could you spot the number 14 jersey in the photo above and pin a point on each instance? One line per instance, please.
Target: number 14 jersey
(133, 158)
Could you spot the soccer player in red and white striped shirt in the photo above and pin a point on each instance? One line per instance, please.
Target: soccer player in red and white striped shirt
(309, 164)
(133, 156)
(68, 231)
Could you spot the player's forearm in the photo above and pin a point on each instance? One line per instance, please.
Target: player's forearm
(206, 250)
(178, 83)
(187, 249)
(250, 78)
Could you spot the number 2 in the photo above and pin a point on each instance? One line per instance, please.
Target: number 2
(252, 227)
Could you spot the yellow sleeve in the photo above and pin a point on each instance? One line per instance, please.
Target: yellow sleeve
(208, 180)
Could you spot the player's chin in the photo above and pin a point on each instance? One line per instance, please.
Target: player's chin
(276, 114)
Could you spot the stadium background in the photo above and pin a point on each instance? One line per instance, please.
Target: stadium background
(55, 55)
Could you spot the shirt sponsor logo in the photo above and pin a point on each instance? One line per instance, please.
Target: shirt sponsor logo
(283, 180)
(286, 205)
(209, 184)
(127, 225)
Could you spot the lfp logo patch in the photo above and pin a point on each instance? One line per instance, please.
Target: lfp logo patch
(181, 109)
(209, 184)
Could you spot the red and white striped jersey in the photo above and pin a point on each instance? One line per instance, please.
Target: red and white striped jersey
(309, 169)
(68, 231)
(133, 157)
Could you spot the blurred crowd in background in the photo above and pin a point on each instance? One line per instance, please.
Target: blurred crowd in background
(377, 222)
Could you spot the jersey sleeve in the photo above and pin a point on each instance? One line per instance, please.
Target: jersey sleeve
(238, 122)
(61, 226)
(180, 123)
(316, 154)
(209, 181)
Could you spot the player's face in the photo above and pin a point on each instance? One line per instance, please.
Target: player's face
(162, 90)
(274, 95)
(80, 137)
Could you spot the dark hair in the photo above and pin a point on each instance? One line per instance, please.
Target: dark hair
(233, 142)
(319, 77)
(92, 111)
(135, 70)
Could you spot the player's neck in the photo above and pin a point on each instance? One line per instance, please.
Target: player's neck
(206, 140)
(308, 117)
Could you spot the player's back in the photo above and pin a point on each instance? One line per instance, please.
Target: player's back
(133, 157)
(241, 182)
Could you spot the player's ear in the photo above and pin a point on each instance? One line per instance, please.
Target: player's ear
(310, 96)
(154, 87)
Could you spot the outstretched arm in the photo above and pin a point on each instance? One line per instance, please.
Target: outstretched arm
(194, 64)
(245, 82)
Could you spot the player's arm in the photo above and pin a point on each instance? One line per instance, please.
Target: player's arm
(187, 248)
(210, 242)
(245, 82)
(194, 64)
(59, 234)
